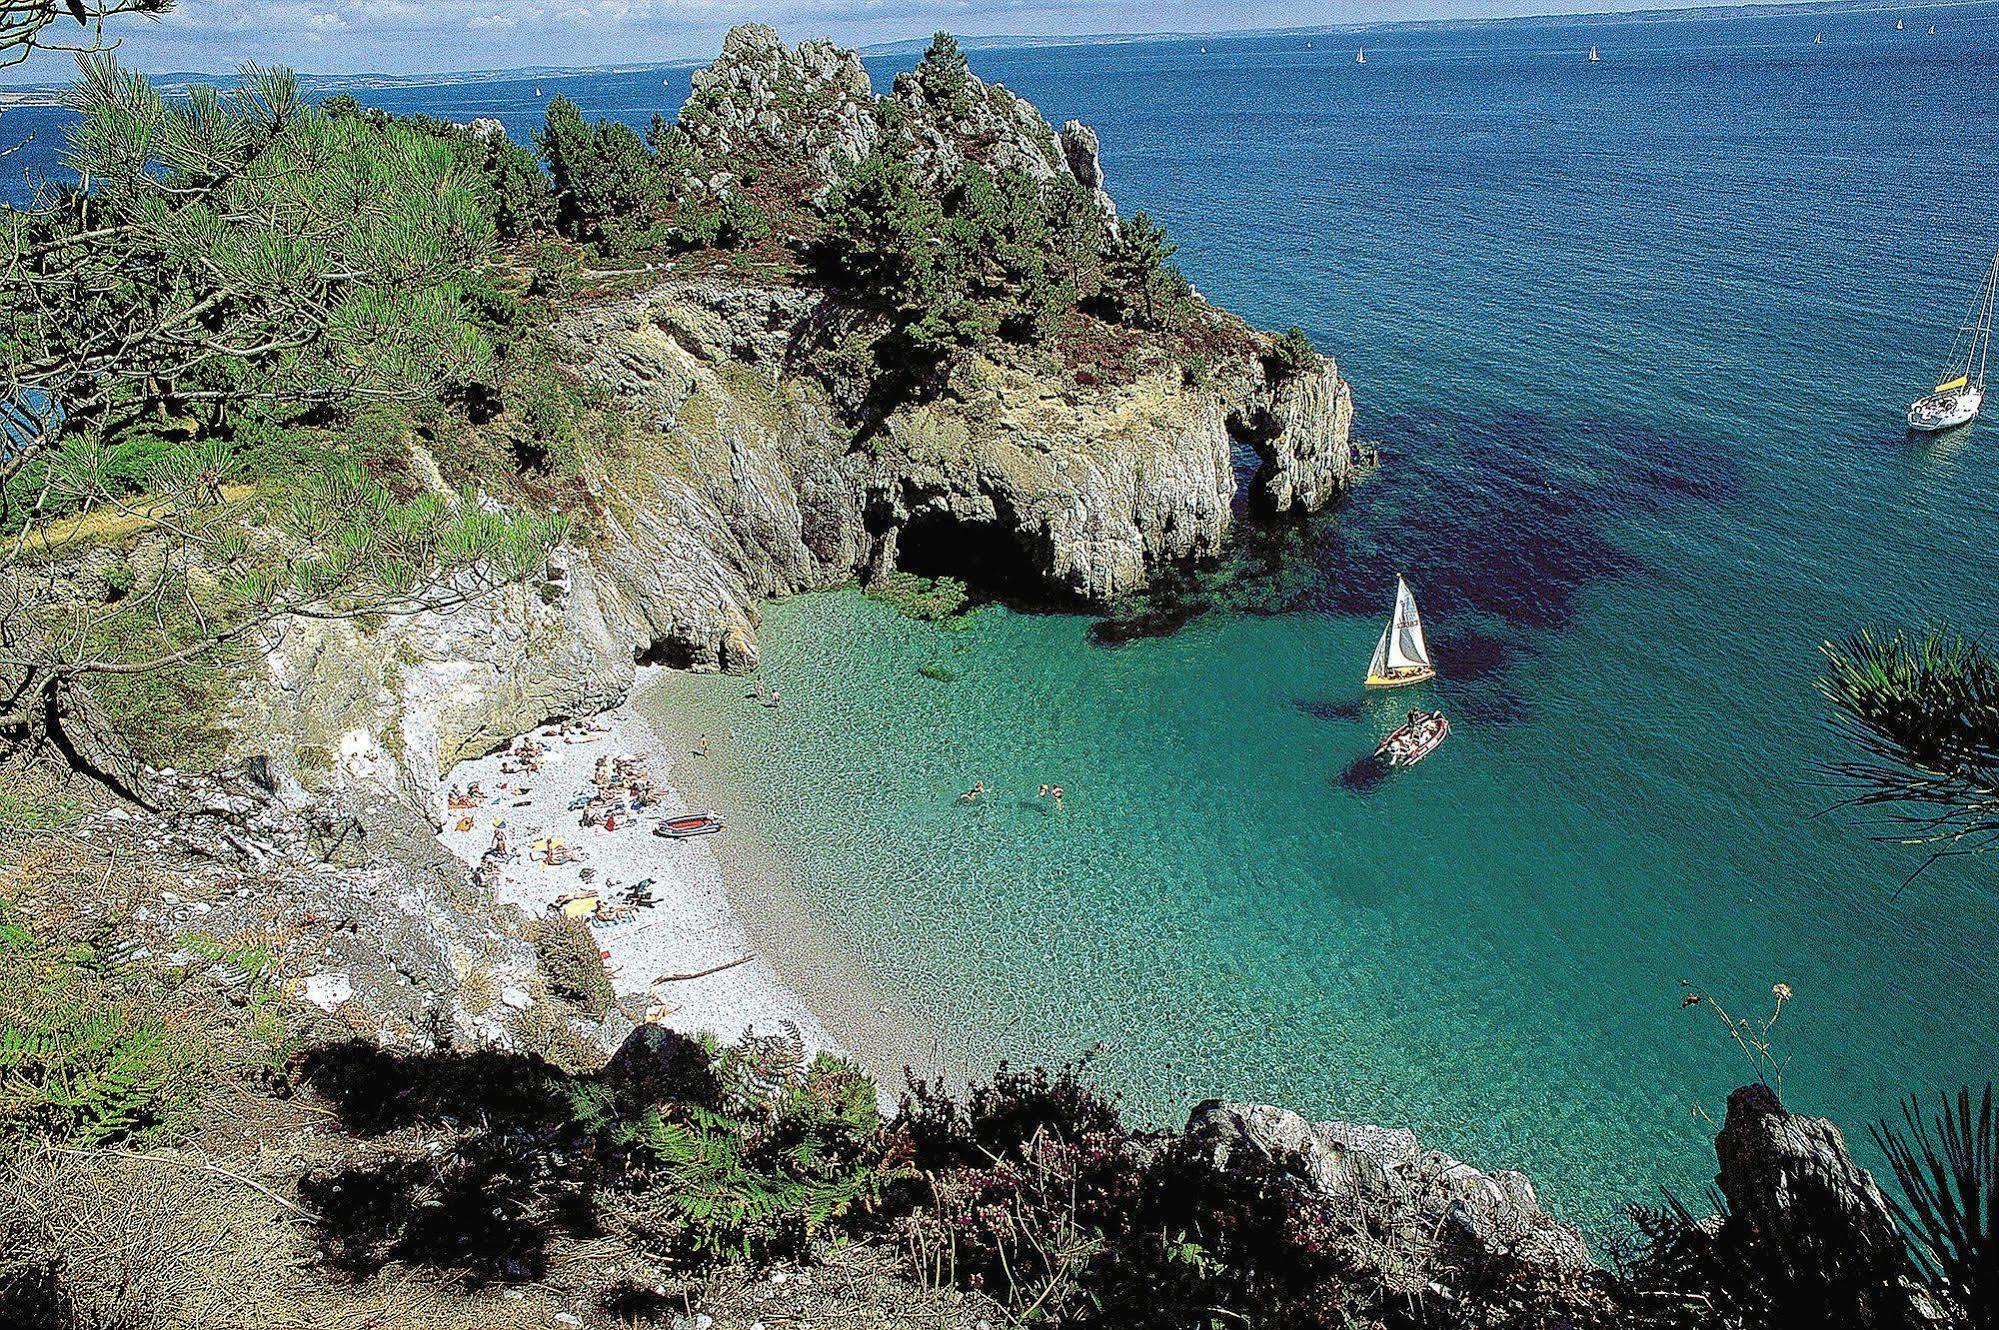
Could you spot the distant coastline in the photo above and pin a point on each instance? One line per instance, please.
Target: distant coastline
(47, 92)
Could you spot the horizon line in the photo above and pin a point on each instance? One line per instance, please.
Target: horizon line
(1721, 10)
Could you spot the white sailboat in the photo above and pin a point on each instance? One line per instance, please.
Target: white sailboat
(1402, 656)
(1898, 25)
(1819, 40)
(1594, 58)
(1960, 390)
(1360, 56)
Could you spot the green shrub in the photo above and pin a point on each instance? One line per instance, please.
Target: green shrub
(572, 963)
(776, 1149)
(1293, 354)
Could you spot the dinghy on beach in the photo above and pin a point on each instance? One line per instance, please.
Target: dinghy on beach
(688, 824)
(1402, 657)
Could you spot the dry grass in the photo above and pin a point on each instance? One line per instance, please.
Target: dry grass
(115, 522)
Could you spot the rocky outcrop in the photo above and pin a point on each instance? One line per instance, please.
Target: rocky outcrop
(1808, 1222)
(1434, 1213)
(1083, 153)
(760, 100)
(756, 463)
(953, 119)
(742, 483)
(813, 108)
(1086, 489)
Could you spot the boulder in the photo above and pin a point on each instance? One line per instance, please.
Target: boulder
(1806, 1218)
(1084, 156)
(1438, 1214)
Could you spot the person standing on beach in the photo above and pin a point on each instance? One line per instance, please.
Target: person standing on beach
(703, 750)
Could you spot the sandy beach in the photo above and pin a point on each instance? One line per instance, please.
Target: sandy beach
(690, 927)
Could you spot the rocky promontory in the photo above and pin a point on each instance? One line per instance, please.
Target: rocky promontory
(1066, 473)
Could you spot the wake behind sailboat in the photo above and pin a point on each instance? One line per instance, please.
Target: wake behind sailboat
(1402, 657)
(1960, 391)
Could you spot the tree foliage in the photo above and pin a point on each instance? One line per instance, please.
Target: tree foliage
(996, 255)
(27, 26)
(237, 260)
(233, 247)
(1922, 709)
(608, 189)
(1948, 1168)
(1141, 284)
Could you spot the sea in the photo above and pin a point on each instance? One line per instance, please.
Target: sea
(1634, 339)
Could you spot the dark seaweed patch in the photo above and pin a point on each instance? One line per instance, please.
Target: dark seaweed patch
(1363, 775)
(1351, 709)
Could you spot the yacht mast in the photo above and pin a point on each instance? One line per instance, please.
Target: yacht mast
(1982, 338)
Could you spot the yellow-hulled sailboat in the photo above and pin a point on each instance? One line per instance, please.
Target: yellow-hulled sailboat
(1402, 656)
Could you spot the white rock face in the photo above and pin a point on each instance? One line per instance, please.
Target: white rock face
(327, 991)
(812, 104)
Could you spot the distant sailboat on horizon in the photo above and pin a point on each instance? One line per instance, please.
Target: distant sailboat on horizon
(1360, 56)
(1819, 40)
(1933, 30)
(1960, 390)
(1402, 657)
(1594, 58)
(1898, 25)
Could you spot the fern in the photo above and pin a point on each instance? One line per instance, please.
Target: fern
(779, 1152)
(81, 1063)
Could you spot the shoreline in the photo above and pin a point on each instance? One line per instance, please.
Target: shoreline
(884, 1035)
(724, 909)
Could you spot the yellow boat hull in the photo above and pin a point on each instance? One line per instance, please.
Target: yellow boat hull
(1400, 679)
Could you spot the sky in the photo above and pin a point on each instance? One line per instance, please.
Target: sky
(432, 36)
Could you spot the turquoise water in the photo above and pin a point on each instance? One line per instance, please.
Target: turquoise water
(1634, 339)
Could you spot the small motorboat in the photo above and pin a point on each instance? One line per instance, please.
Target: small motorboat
(688, 824)
(1415, 740)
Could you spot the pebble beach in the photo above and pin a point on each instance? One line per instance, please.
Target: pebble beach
(688, 930)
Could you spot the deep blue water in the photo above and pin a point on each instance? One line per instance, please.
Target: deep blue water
(1634, 338)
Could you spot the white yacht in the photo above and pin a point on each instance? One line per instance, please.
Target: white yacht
(1960, 390)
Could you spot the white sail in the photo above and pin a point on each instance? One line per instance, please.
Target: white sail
(1406, 648)
(1377, 668)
